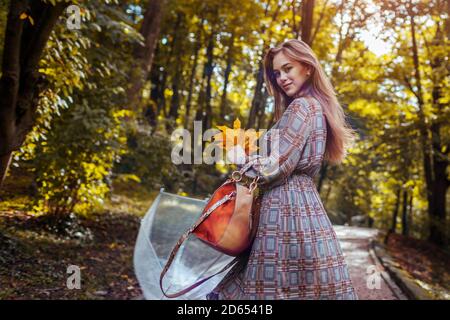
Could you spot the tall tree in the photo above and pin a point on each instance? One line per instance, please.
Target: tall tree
(435, 162)
(347, 34)
(440, 149)
(20, 84)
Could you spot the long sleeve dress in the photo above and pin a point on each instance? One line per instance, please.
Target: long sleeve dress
(295, 254)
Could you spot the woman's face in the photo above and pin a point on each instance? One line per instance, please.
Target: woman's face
(290, 74)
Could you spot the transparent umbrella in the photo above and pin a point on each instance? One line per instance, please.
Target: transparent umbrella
(169, 216)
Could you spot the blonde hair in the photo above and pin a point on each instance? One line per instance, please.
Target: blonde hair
(340, 136)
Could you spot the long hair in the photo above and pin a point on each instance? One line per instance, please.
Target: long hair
(340, 136)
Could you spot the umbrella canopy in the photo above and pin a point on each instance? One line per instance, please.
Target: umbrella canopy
(169, 216)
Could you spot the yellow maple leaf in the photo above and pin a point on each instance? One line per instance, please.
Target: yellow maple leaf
(231, 137)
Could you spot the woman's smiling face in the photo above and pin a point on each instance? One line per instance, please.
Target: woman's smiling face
(290, 74)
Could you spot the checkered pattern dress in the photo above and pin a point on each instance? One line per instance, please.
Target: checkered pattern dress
(295, 254)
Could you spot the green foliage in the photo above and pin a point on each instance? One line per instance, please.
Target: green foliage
(74, 165)
(149, 158)
(80, 133)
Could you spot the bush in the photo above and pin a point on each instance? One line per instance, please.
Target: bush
(148, 157)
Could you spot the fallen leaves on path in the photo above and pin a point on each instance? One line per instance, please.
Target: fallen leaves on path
(425, 262)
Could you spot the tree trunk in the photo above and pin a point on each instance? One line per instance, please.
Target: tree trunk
(410, 211)
(208, 72)
(434, 165)
(319, 21)
(394, 217)
(439, 159)
(192, 79)
(262, 111)
(295, 28)
(151, 111)
(405, 224)
(175, 101)
(223, 102)
(307, 20)
(161, 105)
(144, 54)
(5, 160)
(204, 109)
(256, 101)
(20, 84)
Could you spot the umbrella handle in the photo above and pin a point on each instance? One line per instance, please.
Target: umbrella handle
(193, 286)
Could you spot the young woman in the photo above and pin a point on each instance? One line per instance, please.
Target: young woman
(295, 254)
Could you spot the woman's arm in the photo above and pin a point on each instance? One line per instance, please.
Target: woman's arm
(287, 142)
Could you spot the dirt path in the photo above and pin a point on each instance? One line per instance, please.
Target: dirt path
(368, 276)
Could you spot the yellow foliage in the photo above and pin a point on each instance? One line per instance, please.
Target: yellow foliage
(365, 108)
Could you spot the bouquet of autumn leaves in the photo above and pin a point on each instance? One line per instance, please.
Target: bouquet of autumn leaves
(238, 143)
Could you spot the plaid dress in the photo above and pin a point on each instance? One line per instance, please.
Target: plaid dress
(295, 254)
